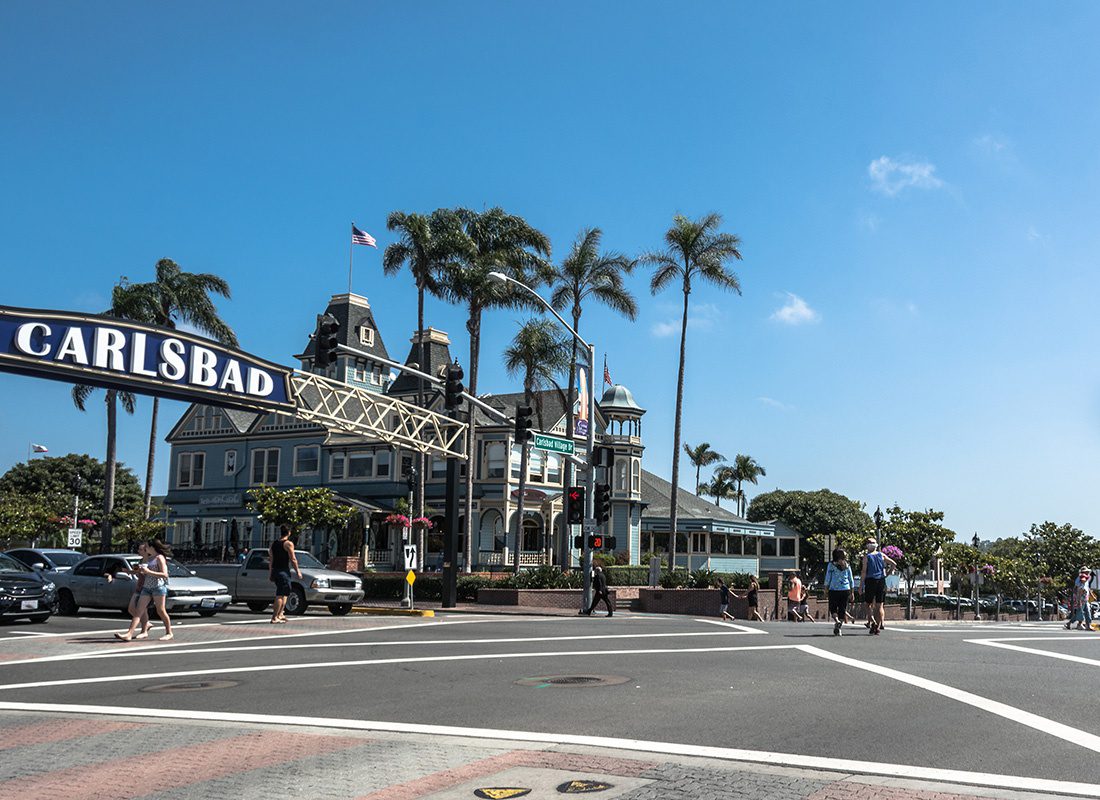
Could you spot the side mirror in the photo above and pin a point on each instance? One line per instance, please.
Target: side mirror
(194, 573)
(38, 566)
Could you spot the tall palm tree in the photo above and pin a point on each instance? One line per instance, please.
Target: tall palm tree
(586, 272)
(539, 354)
(425, 246)
(701, 456)
(489, 241)
(722, 486)
(744, 469)
(114, 397)
(695, 250)
(174, 296)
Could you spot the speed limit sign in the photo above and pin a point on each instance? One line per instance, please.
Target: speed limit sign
(76, 537)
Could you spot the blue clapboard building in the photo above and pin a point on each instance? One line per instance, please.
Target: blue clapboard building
(218, 455)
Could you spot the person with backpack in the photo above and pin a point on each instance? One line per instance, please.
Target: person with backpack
(841, 585)
(873, 581)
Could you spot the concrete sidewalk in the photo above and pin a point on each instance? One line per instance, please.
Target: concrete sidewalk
(90, 757)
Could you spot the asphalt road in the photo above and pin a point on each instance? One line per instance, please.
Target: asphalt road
(919, 695)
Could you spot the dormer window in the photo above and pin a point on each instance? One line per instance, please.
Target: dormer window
(366, 336)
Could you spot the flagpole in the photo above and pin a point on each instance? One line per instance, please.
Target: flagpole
(351, 256)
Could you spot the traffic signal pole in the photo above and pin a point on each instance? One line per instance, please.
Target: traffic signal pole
(590, 478)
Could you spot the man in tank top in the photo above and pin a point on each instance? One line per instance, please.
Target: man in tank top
(282, 560)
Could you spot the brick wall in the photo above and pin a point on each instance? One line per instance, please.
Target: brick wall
(537, 598)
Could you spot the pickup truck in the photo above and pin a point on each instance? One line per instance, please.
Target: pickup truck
(250, 583)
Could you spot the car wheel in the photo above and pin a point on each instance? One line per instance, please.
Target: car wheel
(67, 607)
(340, 609)
(257, 606)
(296, 602)
(208, 612)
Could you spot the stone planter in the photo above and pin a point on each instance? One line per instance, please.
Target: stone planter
(536, 598)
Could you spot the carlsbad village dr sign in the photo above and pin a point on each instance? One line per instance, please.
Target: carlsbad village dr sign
(130, 356)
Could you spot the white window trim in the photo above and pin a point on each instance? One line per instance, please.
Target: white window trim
(294, 465)
(332, 458)
(366, 335)
(190, 454)
(252, 467)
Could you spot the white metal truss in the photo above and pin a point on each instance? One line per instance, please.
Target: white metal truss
(349, 409)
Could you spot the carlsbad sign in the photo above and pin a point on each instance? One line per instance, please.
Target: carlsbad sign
(130, 356)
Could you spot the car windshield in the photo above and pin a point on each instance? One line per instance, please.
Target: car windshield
(307, 561)
(63, 558)
(9, 564)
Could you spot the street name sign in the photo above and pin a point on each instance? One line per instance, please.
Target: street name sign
(76, 537)
(554, 444)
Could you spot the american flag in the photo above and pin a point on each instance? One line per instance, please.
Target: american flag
(606, 374)
(362, 237)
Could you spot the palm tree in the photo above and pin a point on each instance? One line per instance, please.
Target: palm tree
(586, 272)
(695, 251)
(173, 296)
(538, 353)
(745, 468)
(425, 246)
(722, 486)
(701, 456)
(81, 393)
(489, 241)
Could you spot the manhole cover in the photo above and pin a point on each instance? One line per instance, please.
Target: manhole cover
(572, 681)
(192, 686)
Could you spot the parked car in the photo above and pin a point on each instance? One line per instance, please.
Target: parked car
(250, 583)
(25, 594)
(934, 599)
(86, 585)
(46, 559)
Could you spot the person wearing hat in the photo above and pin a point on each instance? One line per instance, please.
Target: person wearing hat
(1083, 612)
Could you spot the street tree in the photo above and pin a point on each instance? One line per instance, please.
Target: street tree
(695, 252)
(1060, 550)
(702, 456)
(173, 297)
(29, 519)
(299, 508)
(485, 242)
(588, 273)
(112, 399)
(920, 536)
(815, 515)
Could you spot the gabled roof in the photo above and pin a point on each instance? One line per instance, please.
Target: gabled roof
(656, 494)
(553, 410)
(239, 422)
(437, 355)
(352, 311)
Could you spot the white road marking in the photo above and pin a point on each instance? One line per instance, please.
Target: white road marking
(1002, 643)
(379, 661)
(907, 771)
(150, 651)
(742, 628)
(1065, 732)
(114, 626)
(171, 646)
(28, 633)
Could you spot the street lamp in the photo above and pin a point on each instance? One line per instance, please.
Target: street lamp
(977, 577)
(590, 480)
(878, 521)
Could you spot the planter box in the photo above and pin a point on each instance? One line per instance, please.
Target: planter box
(536, 598)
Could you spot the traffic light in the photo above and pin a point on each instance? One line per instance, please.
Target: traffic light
(574, 505)
(452, 397)
(578, 542)
(523, 424)
(603, 503)
(609, 542)
(325, 341)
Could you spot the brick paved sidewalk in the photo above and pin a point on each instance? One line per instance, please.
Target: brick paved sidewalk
(88, 758)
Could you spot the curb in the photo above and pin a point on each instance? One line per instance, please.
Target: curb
(393, 612)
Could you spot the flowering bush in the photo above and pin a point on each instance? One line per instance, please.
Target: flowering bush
(989, 569)
(405, 522)
(68, 522)
(890, 551)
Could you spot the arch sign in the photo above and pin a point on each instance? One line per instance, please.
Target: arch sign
(131, 356)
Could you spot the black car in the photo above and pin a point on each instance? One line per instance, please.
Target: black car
(25, 594)
(48, 559)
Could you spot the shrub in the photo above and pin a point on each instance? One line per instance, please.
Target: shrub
(627, 576)
(703, 579)
(469, 584)
(674, 579)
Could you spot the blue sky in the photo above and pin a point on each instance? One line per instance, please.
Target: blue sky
(915, 187)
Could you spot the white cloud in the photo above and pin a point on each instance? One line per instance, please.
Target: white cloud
(701, 317)
(890, 177)
(795, 311)
(992, 144)
(772, 403)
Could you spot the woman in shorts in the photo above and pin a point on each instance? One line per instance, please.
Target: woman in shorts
(139, 582)
(752, 596)
(154, 590)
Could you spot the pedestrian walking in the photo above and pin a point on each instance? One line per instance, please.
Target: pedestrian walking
(154, 589)
(794, 597)
(599, 592)
(873, 581)
(724, 600)
(804, 606)
(752, 596)
(841, 585)
(281, 561)
(139, 582)
(1083, 614)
